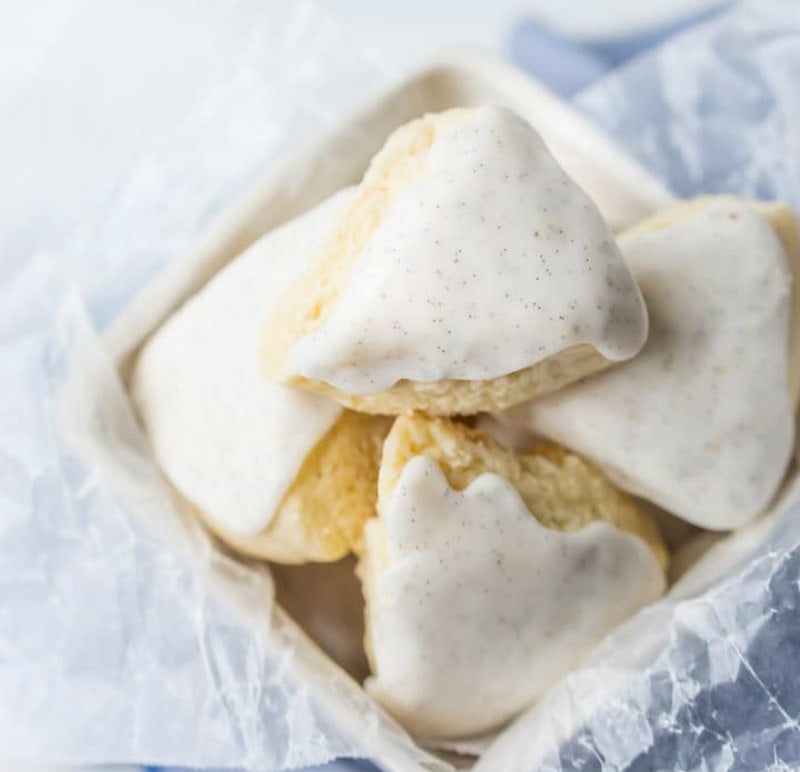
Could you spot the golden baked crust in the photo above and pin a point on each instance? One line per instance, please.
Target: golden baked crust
(455, 397)
(562, 490)
(322, 515)
(307, 304)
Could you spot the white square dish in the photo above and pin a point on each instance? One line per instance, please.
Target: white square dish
(624, 191)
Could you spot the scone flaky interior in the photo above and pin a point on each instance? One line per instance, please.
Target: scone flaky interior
(322, 515)
(562, 491)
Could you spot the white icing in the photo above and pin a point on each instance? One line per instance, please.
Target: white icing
(700, 422)
(492, 261)
(231, 442)
(481, 608)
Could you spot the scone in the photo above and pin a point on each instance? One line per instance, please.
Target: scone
(701, 421)
(488, 575)
(468, 273)
(277, 473)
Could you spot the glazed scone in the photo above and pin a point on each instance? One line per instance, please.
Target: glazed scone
(701, 422)
(468, 273)
(277, 473)
(488, 575)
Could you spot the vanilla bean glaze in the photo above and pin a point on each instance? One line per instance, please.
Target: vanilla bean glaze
(492, 260)
(701, 421)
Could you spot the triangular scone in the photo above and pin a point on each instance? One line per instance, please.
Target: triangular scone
(276, 472)
(701, 422)
(468, 273)
(488, 575)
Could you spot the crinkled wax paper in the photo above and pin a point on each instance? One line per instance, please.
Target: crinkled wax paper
(124, 636)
